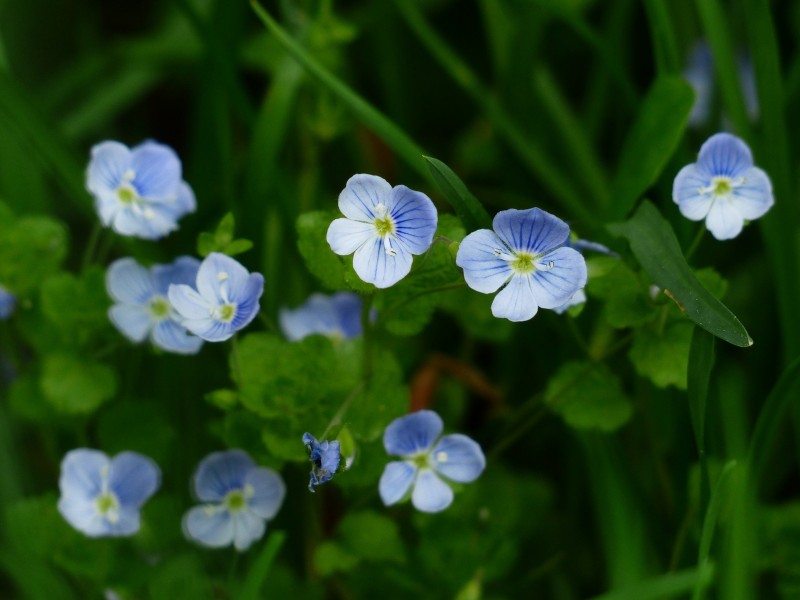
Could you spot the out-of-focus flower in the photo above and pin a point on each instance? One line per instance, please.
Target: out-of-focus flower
(7, 303)
(239, 498)
(385, 226)
(225, 301)
(324, 457)
(102, 496)
(142, 308)
(139, 191)
(337, 316)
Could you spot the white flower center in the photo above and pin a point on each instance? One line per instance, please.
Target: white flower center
(722, 186)
(385, 228)
(159, 308)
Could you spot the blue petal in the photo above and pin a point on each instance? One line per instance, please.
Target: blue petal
(347, 306)
(83, 516)
(688, 194)
(181, 205)
(577, 298)
(220, 472)
(188, 303)
(724, 154)
(431, 494)
(133, 321)
(699, 73)
(109, 161)
(220, 279)
(395, 481)
(754, 197)
(268, 492)
(133, 478)
(129, 282)
(414, 217)
(373, 265)
(210, 330)
(723, 220)
(157, 171)
(345, 236)
(337, 315)
(155, 225)
(7, 303)
(246, 300)
(484, 271)
(412, 433)
(81, 473)
(362, 194)
(209, 525)
(583, 245)
(172, 337)
(182, 270)
(558, 276)
(459, 458)
(247, 528)
(127, 523)
(534, 230)
(516, 302)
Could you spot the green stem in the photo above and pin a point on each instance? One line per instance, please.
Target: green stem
(698, 237)
(91, 245)
(235, 359)
(368, 333)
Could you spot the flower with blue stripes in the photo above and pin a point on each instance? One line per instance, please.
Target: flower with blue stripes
(723, 187)
(325, 457)
(337, 316)
(384, 227)
(527, 256)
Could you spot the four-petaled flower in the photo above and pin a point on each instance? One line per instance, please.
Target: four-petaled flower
(7, 302)
(324, 457)
(428, 461)
(143, 308)
(384, 227)
(240, 497)
(139, 191)
(337, 316)
(102, 496)
(527, 254)
(723, 187)
(225, 301)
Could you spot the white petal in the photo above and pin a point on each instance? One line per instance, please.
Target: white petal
(172, 337)
(247, 528)
(724, 221)
(109, 162)
(362, 194)
(559, 274)
(431, 494)
(396, 480)
(133, 321)
(375, 266)
(515, 302)
(188, 303)
(129, 282)
(221, 279)
(345, 236)
(484, 271)
(209, 525)
(81, 473)
(687, 194)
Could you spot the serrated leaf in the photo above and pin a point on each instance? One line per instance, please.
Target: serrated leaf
(627, 303)
(663, 357)
(467, 207)
(75, 386)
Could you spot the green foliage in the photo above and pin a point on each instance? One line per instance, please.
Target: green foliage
(467, 207)
(76, 386)
(663, 355)
(627, 301)
(222, 240)
(362, 537)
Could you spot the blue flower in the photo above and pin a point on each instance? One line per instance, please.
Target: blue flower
(225, 301)
(428, 461)
(239, 498)
(337, 316)
(723, 187)
(325, 457)
(384, 227)
(577, 299)
(7, 303)
(527, 254)
(139, 191)
(102, 496)
(142, 307)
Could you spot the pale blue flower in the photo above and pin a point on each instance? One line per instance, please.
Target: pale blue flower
(325, 457)
(239, 498)
(723, 187)
(142, 308)
(429, 461)
(139, 191)
(225, 299)
(7, 303)
(337, 316)
(102, 496)
(577, 299)
(527, 256)
(384, 227)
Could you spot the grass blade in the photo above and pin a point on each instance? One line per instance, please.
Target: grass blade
(467, 206)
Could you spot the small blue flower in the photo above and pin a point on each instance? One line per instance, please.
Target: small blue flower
(577, 299)
(723, 187)
(102, 496)
(225, 301)
(337, 316)
(384, 227)
(325, 457)
(7, 303)
(239, 498)
(142, 308)
(527, 254)
(428, 461)
(140, 191)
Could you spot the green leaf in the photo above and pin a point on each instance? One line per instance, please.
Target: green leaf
(627, 301)
(76, 386)
(663, 357)
(467, 207)
(330, 557)
(655, 246)
(182, 576)
(258, 572)
(77, 306)
(701, 361)
(222, 239)
(588, 396)
(672, 585)
(237, 247)
(652, 139)
(372, 537)
(31, 248)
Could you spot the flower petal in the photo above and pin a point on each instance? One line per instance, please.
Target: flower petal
(533, 230)
(129, 282)
(431, 494)
(559, 274)
(127, 523)
(133, 478)
(157, 171)
(345, 236)
(484, 271)
(362, 194)
(724, 221)
(412, 433)
(373, 265)
(182, 270)
(395, 481)
(188, 303)
(754, 197)
(209, 525)
(414, 217)
(109, 161)
(132, 321)
(458, 457)
(83, 516)
(150, 223)
(172, 337)
(246, 299)
(268, 491)
(725, 154)
(247, 528)
(220, 472)
(81, 473)
(516, 302)
(221, 279)
(687, 192)
(577, 298)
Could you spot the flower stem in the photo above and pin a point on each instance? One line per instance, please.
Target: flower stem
(696, 241)
(91, 245)
(368, 334)
(235, 356)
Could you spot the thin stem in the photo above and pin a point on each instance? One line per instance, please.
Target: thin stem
(368, 333)
(698, 237)
(91, 245)
(235, 356)
(337, 418)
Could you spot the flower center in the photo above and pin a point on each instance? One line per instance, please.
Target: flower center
(235, 501)
(421, 461)
(523, 263)
(159, 308)
(126, 193)
(225, 313)
(722, 186)
(107, 506)
(384, 226)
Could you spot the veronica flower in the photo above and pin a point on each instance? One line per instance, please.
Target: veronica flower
(723, 187)
(139, 191)
(7, 303)
(428, 462)
(142, 308)
(577, 299)
(102, 496)
(239, 498)
(324, 457)
(384, 227)
(225, 299)
(527, 256)
(337, 316)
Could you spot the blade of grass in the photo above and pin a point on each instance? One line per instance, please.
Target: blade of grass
(671, 585)
(258, 572)
(701, 361)
(467, 206)
(665, 47)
